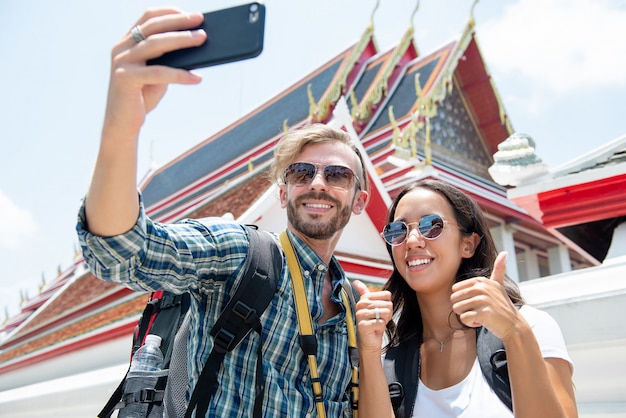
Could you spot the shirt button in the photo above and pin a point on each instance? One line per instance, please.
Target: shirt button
(306, 273)
(321, 267)
(308, 415)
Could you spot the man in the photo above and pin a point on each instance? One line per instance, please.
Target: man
(322, 182)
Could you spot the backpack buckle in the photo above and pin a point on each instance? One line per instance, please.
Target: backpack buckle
(244, 311)
(150, 396)
(396, 393)
(498, 361)
(143, 396)
(223, 340)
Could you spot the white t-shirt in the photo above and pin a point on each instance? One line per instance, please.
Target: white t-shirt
(473, 397)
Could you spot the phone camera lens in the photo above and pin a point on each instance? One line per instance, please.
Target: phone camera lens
(253, 13)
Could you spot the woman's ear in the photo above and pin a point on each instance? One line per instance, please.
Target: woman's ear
(469, 245)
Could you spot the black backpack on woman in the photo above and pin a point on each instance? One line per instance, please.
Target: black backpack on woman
(402, 365)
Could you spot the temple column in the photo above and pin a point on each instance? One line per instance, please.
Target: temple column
(529, 265)
(503, 238)
(558, 259)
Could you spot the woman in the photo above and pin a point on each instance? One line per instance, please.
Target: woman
(448, 279)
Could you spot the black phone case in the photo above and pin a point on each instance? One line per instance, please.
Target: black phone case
(233, 34)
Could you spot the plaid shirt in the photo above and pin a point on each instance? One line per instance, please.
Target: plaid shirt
(204, 257)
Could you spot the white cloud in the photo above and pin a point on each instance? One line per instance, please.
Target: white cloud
(17, 225)
(559, 45)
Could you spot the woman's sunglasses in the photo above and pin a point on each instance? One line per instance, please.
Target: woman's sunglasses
(337, 176)
(430, 227)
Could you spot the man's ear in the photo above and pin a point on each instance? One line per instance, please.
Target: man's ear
(282, 190)
(360, 201)
(469, 245)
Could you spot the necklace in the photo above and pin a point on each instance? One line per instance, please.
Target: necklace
(442, 344)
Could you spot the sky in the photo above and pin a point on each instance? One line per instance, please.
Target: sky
(558, 66)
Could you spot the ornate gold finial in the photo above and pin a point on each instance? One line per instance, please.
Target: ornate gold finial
(472, 22)
(397, 135)
(355, 105)
(6, 315)
(418, 87)
(250, 165)
(414, 12)
(427, 109)
(42, 284)
(285, 126)
(372, 16)
(312, 103)
(23, 296)
(427, 150)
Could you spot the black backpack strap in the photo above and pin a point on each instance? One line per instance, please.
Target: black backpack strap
(162, 315)
(258, 285)
(492, 359)
(402, 366)
(171, 310)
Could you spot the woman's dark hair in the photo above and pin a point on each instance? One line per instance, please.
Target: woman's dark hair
(470, 218)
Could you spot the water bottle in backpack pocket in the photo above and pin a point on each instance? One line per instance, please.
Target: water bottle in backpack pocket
(145, 384)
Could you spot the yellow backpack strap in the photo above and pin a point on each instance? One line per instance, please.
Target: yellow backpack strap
(308, 342)
(352, 345)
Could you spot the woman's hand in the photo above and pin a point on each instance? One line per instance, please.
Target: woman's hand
(373, 311)
(540, 387)
(482, 301)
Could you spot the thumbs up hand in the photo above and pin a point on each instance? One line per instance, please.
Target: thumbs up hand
(481, 301)
(373, 311)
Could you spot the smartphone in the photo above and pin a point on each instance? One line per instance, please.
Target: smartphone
(233, 34)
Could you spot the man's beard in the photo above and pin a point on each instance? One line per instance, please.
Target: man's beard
(318, 230)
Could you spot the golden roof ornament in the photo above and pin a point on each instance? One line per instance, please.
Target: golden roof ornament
(363, 112)
(472, 22)
(320, 111)
(425, 108)
(23, 297)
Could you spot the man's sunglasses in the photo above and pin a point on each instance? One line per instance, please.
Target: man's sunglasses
(430, 227)
(337, 176)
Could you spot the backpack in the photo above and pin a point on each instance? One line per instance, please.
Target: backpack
(402, 364)
(167, 315)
